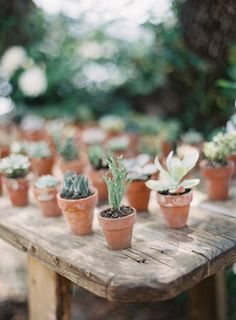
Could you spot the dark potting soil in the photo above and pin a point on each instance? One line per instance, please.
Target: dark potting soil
(166, 193)
(100, 165)
(113, 213)
(217, 164)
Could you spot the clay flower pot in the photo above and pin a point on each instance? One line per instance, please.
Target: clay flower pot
(17, 190)
(166, 148)
(42, 166)
(138, 195)
(79, 213)
(175, 208)
(217, 179)
(96, 178)
(76, 165)
(4, 151)
(118, 231)
(47, 200)
(232, 158)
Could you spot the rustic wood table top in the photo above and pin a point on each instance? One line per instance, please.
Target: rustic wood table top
(161, 263)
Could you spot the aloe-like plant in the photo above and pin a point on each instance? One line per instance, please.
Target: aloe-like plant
(140, 168)
(46, 181)
(15, 166)
(69, 150)
(75, 186)
(38, 150)
(98, 157)
(116, 181)
(173, 180)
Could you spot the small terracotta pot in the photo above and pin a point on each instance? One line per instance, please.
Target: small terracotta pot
(47, 200)
(42, 166)
(138, 195)
(76, 165)
(166, 148)
(17, 190)
(217, 179)
(4, 151)
(96, 178)
(232, 158)
(79, 213)
(118, 231)
(175, 208)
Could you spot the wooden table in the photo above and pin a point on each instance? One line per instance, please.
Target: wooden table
(161, 263)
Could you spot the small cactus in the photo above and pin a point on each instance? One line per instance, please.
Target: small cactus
(98, 157)
(69, 151)
(75, 186)
(46, 181)
(38, 150)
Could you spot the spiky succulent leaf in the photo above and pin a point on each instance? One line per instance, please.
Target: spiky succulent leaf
(69, 150)
(75, 186)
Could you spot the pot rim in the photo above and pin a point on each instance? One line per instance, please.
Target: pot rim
(203, 165)
(185, 194)
(117, 219)
(95, 194)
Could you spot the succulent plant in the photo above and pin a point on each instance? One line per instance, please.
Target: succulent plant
(32, 123)
(192, 137)
(118, 144)
(18, 147)
(98, 157)
(112, 123)
(150, 144)
(15, 166)
(172, 180)
(75, 186)
(116, 181)
(46, 181)
(38, 150)
(170, 130)
(139, 168)
(149, 124)
(217, 150)
(69, 150)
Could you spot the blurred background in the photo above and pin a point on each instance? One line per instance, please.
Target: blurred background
(83, 59)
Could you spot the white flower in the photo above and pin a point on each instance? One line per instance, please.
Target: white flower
(13, 58)
(33, 82)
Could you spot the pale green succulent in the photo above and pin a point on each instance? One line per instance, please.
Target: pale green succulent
(15, 166)
(46, 181)
(112, 123)
(38, 150)
(192, 137)
(98, 157)
(118, 144)
(75, 186)
(172, 180)
(222, 145)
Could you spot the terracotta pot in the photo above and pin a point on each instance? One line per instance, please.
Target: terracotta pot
(17, 190)
(96, 178)
(4, 151)
(79, 213)
(118, 231)
(138, 195)
(175, 208)
(166, 148)
(217, 179)
(232, 158)
(47, 200)
(76, 165)
(42, 166)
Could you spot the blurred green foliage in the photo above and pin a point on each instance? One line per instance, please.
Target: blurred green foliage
(91, 69)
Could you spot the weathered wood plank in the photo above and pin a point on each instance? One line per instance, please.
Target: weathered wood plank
(161, 263)
(49, 293)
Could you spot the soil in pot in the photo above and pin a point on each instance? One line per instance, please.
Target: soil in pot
(42, 166)
(218, 178)
(117, 225)
(79, 213)
(17, 190)
(175, 208)
(47, 200)
(138, 195)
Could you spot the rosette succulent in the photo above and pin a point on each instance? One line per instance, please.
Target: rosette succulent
(15, 166)
(172, 180)
(46, 181)
(139, 168)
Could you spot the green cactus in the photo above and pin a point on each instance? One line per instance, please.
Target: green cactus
(98, 157)
(69, 151)
(116, 181)
(75, 186)
(38, 150)
(46, 181)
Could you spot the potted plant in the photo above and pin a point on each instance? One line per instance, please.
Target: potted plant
(174, 192)
(15, 169)
(32, 128)
(139, 171)
(45, 192)
(216, 168)
(118, 220)
(119, 145)
(98, 160)
(41, 158)
(112, 124)
(71, 158)
(77, 201)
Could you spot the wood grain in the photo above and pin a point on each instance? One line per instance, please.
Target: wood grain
(161, 263)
